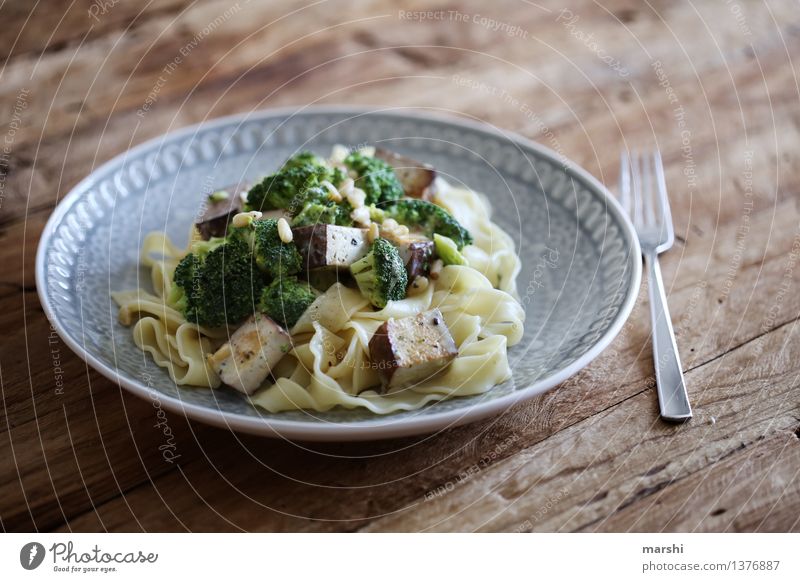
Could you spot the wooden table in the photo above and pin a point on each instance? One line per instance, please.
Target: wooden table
(713, 83)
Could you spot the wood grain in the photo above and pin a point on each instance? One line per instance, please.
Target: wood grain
(80, 454)
(532, 425)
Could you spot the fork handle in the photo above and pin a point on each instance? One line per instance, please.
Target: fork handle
(673, 400)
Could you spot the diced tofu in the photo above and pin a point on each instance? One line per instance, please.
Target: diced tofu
(328, 245)
(416, 177)
(213, 222)
(253, 350)
(420, 255)
(412, 349)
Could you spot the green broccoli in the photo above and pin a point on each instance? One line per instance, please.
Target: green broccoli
(273, 256)
(216, 283)
(381, 275)
(187, 273)
(296, 185)
(289, 189)
(301, 159)
(183, 283)
(447, 251)
(375, 177)
(330, 213)
(430, 218)
(338, 175)
(286, 299)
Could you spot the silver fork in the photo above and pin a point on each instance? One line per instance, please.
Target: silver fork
(643, 193)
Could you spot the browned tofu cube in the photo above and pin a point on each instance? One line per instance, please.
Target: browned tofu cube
(410, 350)
(418, 263)
(416, 177)
(328, 245)
(254, 348)
(216, 215)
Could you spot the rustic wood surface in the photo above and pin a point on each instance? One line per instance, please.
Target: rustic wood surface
(713, 83)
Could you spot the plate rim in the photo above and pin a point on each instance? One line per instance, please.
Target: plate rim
(383, 427)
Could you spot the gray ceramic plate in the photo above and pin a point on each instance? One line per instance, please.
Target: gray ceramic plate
(580, 274)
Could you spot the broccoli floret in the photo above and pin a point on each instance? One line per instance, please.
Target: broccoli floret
(447, 251)
(188, 272)
(338, 176)
(375, 177)
(304, 157)
(381, 275)
(296, 185)
(291, 188)
(285, 300)
(330, 213)
(182, 282)
(430, 218)
(272, 255)
(216, 283)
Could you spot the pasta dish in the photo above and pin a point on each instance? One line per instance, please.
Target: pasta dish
(361, 280)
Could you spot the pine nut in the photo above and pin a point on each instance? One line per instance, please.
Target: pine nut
(333, 193)
(285, 231)
(356, 197)
(245, 218)
(347, 186)
(361, 216)
(373, 233)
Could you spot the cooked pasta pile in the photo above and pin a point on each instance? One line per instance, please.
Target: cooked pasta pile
(328, 363)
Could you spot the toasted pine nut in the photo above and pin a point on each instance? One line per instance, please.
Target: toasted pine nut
(347, 186)
(356, 197)
(373, 233)
(361, 216)
(390, 224)
(333, 193)
(241, 219)
(401, 230)
(436, 268)
(245, 218)
(285, 231)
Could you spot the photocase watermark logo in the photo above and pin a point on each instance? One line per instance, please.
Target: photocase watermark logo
(31, 555)
(66, 557)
